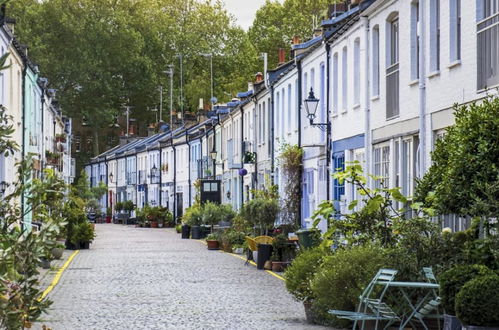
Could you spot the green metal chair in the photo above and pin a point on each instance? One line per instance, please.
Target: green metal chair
(429, 308)
(372, 308)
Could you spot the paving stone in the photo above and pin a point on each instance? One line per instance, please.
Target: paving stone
(142, 278)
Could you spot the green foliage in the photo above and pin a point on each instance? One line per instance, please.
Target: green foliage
(232, 237)
(343, 276)
(213, 237)
(118, 206)
(128, 206)
(464, 176)
(193, 216)
(301, 272)
(453, 280)
(290, 162)
(477, 302)
(261, 213)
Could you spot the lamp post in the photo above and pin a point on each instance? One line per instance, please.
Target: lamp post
(311, 104)
(160, 103)
(210, 55)
(154, 173)
(111, 176)
(213, 155)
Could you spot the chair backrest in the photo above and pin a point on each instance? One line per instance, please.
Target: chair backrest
(382, 277)
(252, 245)
(428, 273)
(263, 240)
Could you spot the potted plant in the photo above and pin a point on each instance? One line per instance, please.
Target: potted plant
(299, 276)
(57, 251)
(60, 137)
(212, 241)
(477, 303)
(451, 282)
(86, 234)
(277, 264)
(178, 228)
(193, 218)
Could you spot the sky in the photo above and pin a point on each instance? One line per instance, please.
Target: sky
(244, 10)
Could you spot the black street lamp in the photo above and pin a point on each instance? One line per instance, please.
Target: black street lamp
(311, 104)
(213, 155)
(154, 173)
(111, 176)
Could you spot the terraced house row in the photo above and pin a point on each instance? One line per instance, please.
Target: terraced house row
(41, 131)
(384, 75)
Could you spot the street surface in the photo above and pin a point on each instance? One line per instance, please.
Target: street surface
(142, 278)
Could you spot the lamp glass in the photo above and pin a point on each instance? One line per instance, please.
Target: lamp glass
(213, 154)
(311, 103)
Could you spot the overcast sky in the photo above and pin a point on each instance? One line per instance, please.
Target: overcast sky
(244, 10)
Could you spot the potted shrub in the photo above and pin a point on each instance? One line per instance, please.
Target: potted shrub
(299, 275)
(477, 303)
(451, 282)
(212, 214)
(86, 234)
(212, 241)
(57, 251)
(178, 228)
(192, 219)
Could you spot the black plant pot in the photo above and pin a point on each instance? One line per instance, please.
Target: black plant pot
(71, 246)
(84, 245)
(205, 231)
(196, 232)
(264, 253)
(186, 230)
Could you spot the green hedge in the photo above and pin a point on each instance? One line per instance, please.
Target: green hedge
(477, 303)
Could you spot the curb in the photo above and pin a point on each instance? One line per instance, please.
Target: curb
(58, 275)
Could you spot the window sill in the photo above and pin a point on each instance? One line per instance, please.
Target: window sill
(392, 118)
(356, 106)
(433, 74)
(414, 82)
(454, 64)
(375, 98)
(334, 115)
(343, 111)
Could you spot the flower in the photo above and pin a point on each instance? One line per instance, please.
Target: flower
(447, 230)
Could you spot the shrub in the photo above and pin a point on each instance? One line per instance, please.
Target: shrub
(478, 300)
(212, 214)
(213, 237)
(232, 237)
(342, 278)
(453, 280)
(300, 273)
(193, 216)
(261, 213)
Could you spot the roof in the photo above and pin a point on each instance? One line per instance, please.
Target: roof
(307, 44)
(276, 74)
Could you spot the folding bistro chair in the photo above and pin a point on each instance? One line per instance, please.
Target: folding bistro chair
(372, 308)
(429, 308)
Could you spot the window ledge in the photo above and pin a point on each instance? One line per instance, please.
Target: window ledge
(334, 115)
(343, 111)
(454, 64)
(356, 106)
(433, 74)
(375, 98)
(392, 118)
(414, 82)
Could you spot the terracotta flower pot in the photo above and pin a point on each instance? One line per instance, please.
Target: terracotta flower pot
(277, 266)
(213, 245)
(154, 224)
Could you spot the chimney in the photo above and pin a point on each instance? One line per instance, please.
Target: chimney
(250, 86)
(132, 130)
(282, 56)
(296, 40)
(150, 130)
(201, 104)
(258, 77)
(317, 33)
(123, 140)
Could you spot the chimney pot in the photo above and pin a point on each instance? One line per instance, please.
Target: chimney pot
(259, 77)
(296, 40)
(282, 56)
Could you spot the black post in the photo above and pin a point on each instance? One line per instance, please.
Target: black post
(328, 122)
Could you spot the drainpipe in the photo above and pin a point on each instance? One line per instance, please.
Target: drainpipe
(241, 189)
(299, 98)
(174, 182)
(23, 96)
(328, 121)
(160, 174)
(189, 168)
(367, 99)
(272, 140)
(42, 163)
(422, 89)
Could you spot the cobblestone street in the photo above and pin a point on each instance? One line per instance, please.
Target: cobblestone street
(141, 278)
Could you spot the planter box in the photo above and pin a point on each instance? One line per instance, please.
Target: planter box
(451, 322)
(213, 245)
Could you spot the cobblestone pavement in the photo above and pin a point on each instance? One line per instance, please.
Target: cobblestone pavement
(141, 278)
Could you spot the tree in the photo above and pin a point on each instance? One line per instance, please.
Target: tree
(464, 176)
(276, 24)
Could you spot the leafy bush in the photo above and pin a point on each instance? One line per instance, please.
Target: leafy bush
(300, 273)
(118, 206)
(226, 212)
(454, 279)
(212, 213)
(193, 215)
(261, 213)
(343, 276)
(213, 237)
(232, 237)
(128, 206)
(477, 302)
